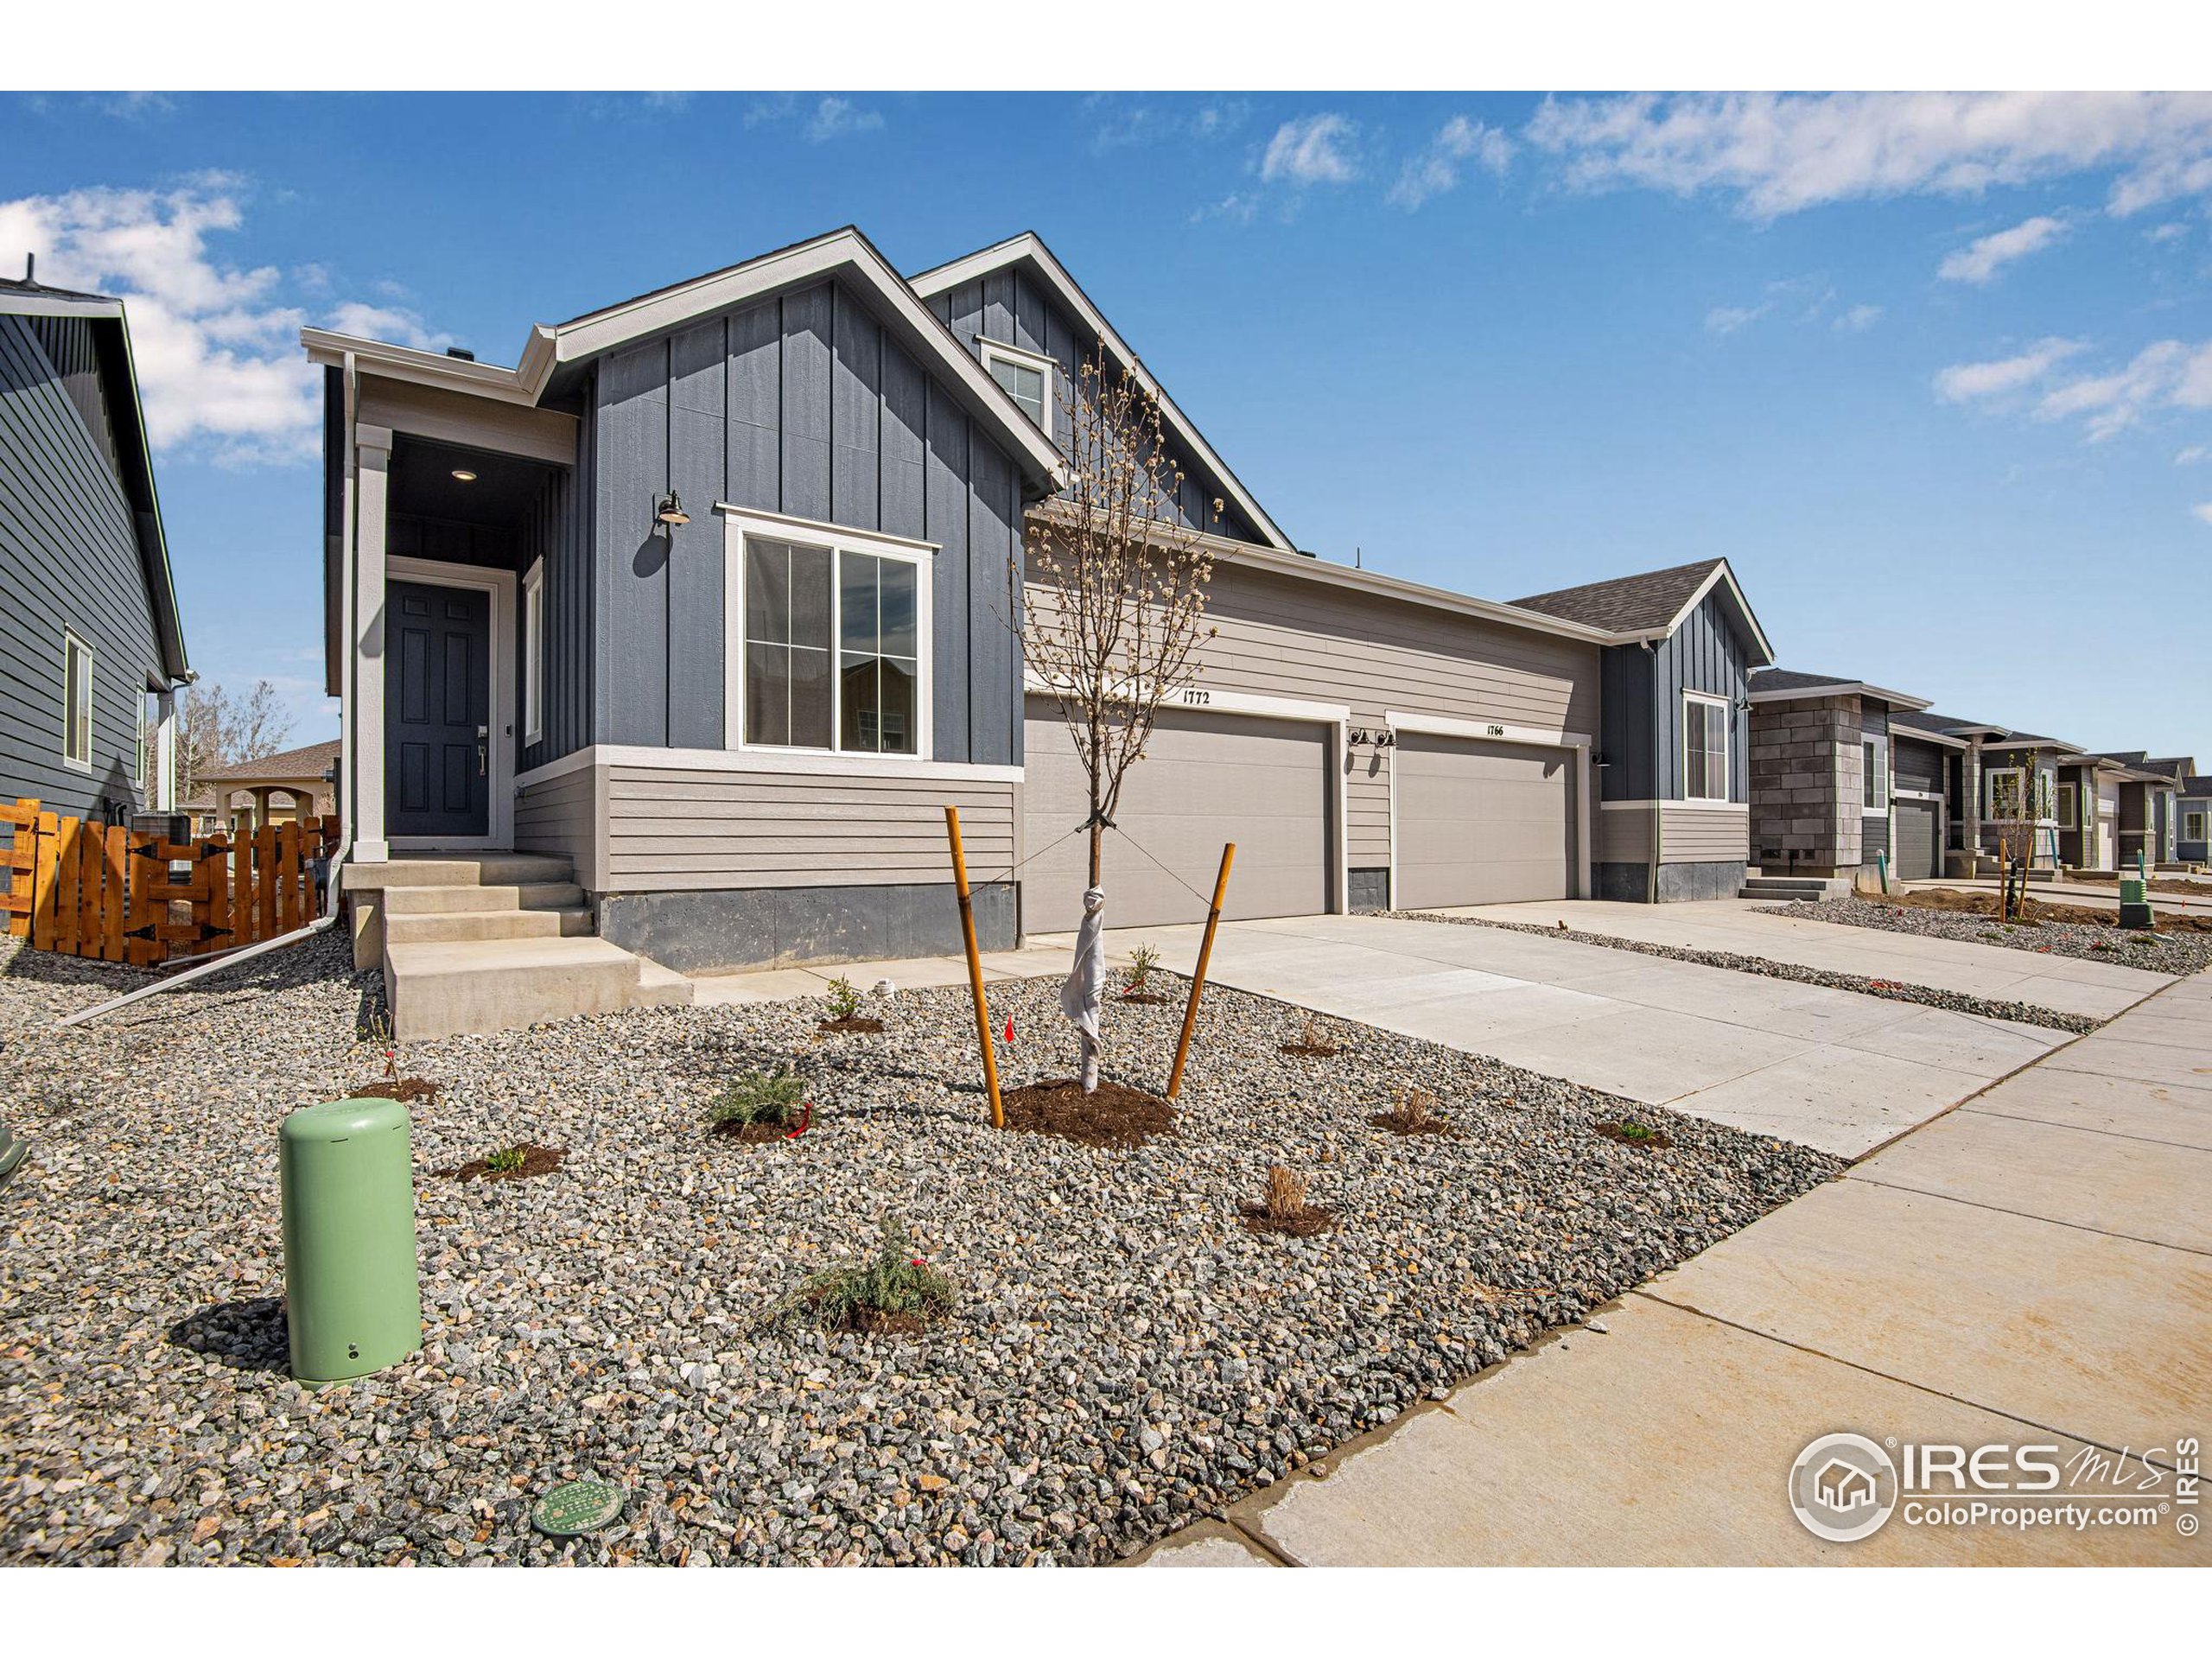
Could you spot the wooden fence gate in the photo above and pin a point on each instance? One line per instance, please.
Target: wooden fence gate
(109, 893)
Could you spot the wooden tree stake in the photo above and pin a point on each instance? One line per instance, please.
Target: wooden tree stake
(1199, 979)
(975, 967)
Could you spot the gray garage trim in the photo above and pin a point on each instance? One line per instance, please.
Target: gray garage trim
(1209, 775)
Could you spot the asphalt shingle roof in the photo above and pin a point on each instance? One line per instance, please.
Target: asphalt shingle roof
(311, 761)
(1627, 604)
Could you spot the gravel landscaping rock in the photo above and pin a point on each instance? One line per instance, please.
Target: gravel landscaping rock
(1988, 1008)
(1123, 1357)
(2160, 953)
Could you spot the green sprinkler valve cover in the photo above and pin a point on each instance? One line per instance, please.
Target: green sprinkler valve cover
(353, 1294)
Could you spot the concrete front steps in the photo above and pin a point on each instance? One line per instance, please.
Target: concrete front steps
(1783, 889)
(490, 942)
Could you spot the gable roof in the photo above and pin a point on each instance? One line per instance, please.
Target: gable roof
(310, 761)
(554, 347)
(118, 371)
(1029, 247)
(1951, 729)
(1652, 604)
(2193, 785)
(1786, 684)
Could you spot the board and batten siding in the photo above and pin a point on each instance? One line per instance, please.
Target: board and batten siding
(1874, 827)
(69, 558)
(1012, 306)
(1277, 636)
(553, 532)
(672, 827)
(801, 405)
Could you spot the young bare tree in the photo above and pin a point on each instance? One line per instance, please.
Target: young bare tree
(1115, 584)
(215, 728)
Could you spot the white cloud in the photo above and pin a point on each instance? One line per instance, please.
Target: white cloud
(1969, 381)
(2194, 454)
(1728, 318)
(2203, 510)
(1119, 124)
(1857, 320)
(216, 344)
(836, 118)
(1312, 149)
(2172, 231)
(1780, 153)
(1979, 260)
(1436, 170)
(392, 323)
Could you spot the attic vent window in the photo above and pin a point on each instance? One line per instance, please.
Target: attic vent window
(1026, 376)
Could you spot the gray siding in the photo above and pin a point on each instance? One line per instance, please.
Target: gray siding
(798, 405)
(1917, 765)
(1011, 306)
(554, 532)
(1873, 828)
(1705, 654)
(69, 557)
(1625, 738)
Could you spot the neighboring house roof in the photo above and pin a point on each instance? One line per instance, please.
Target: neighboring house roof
(1652, 604)
(2138, 766)
(1950, 729)
(1789, 684)
(2194, 787)
(554, 348)
(1028, 247)
(110, 331)
(299, 766)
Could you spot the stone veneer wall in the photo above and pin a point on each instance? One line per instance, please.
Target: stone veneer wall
(1806, 786)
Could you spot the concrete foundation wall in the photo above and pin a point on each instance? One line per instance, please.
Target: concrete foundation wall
(1680, 883)
(1369, 889)
(697, 931)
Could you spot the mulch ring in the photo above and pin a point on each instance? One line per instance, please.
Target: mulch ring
(856, 1022)
(761, 1135)
(1149, 999)
(1639, 1135)
(1303, 1224)
(402, 1090)
(535, 1160)
(1113, 1115)
(1312, 1051)
(1396, 1121)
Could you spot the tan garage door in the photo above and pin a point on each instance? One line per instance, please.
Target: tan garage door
(1482, 823)
(1205, 778)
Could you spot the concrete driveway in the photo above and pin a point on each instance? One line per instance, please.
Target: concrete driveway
(1835, 1069)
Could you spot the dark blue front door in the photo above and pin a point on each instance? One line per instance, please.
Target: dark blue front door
(437, 710)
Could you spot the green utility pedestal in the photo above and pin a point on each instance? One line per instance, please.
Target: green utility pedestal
(352, 1296)
(2134, 902)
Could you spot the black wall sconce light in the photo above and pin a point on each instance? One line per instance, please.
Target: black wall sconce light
(671, 512)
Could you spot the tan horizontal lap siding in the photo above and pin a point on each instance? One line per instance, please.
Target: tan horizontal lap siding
(1704, 834)
(1279, 637)
(670, 828)
(557, 817)
(1623, 835)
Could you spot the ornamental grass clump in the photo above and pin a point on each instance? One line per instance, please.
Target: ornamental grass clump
(1283, 1209)
(896, 1290)
(758, 1099)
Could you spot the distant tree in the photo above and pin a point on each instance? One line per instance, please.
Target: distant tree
(215, 728)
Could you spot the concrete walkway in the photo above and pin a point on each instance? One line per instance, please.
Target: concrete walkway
(2034, 1269)
(2066, 984)
(1835, 1069)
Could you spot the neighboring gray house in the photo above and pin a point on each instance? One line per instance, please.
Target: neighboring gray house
(1675, 814)
(91, 648)
(686, 628)
(2150, 803)
(2193, 844)
(1843, 783)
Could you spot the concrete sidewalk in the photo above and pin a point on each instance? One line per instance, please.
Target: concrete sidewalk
(1837, 1069)
(2066, 984)
(2034, 1268)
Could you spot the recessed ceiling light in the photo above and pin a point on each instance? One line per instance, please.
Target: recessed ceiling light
(464, 474)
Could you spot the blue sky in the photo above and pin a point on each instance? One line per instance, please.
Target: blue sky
(1934, 373)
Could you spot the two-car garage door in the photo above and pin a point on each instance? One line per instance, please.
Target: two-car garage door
(1207, 778)
(1482, 823)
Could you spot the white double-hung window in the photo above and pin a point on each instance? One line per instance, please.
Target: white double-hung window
(829, 651)
(1705, 747)
(1874, 752)
(2007, 794)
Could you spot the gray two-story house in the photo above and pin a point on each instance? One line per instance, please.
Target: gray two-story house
(92, 651)
(667, 646)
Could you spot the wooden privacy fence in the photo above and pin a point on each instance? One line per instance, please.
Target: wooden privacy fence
(117, 895)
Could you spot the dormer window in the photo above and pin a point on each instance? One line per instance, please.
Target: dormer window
(1026, 376)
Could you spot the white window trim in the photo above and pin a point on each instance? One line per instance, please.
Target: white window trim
(736, 526)
(2066, 820)
(533, 652)
(2192, 825)
(1989, 794)
(1727, 738)
(71, 644)
(1869, 807)
(987, 349)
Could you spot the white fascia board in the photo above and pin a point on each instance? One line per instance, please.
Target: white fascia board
(1841, 689)
(1028, 246)
(1720, 573)
(57, 305)
(1914, 733)
(418, 367)
(842, 252)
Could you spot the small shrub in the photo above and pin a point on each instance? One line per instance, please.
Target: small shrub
(1311, 1041)
(895, 1290)
(1630, 1133)
(1144, 961)
(507, 1160)
(1416, 1113)
(1286, 1197)
(1283, 1209)
(768, 1097)
(844, 999)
